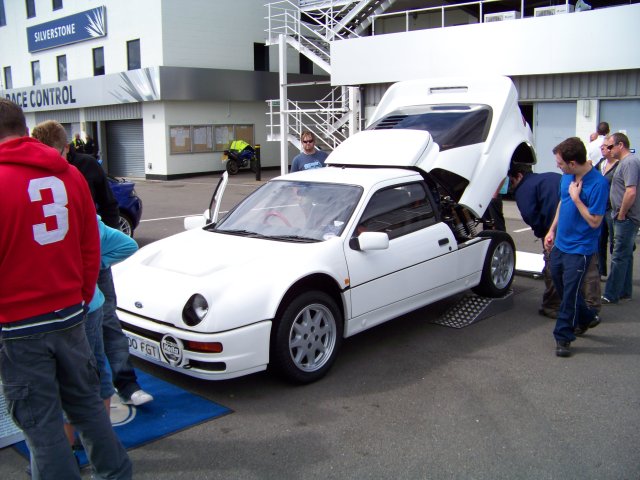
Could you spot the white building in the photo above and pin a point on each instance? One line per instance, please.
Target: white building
(162, 84)
(572, 68)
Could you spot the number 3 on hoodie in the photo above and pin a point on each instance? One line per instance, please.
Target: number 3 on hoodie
(57, 209)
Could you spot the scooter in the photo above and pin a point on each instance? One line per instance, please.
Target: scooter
(240, 159)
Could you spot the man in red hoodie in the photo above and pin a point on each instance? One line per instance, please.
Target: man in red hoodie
(49, 263)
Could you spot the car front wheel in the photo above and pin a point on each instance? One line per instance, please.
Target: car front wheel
(307, 337)
(499, 265)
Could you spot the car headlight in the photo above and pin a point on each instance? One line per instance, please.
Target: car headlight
(195, 310)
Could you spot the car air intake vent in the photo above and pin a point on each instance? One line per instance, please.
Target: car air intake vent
(389, 122)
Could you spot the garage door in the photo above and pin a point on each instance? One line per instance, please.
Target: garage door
(125, 148)
(623, 115)
(554, 122)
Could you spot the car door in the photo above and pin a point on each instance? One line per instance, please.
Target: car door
(417, 265)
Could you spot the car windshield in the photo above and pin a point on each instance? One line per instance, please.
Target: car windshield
(293, 211)
(451, 126)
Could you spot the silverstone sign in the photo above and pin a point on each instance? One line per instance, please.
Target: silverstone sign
(72, 29)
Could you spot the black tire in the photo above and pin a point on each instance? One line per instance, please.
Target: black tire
(125, 225)
(499, 265)
(306, 338)
(232, 167)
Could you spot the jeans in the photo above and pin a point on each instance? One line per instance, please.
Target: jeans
(116, 345)
(43, 375)
(93, 328)
(604, 243)
(619, 283)
(568, 271)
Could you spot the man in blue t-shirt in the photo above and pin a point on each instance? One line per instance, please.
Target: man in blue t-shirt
(537, 196)
(573, 239)
(310, 157)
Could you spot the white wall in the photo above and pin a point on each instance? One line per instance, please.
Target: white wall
(544, 45)
(212, 34)
(156, 138)
(156, 134)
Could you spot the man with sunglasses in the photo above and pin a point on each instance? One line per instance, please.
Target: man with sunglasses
(625, 210)
(310, 157)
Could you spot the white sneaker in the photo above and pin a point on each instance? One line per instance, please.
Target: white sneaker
(139, 397)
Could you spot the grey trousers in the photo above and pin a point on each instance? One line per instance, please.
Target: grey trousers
(44, 374)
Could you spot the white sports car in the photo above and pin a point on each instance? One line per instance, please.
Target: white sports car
(390, 225)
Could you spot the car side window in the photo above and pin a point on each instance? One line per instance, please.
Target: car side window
(397, 211)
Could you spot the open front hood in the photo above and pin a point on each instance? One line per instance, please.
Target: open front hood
(416, 149)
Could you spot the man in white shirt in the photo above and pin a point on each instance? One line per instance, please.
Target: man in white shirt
(593, 150)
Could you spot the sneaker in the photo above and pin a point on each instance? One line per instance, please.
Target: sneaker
(139, 397)
(562, 349)
(625, 299)
(606, 301)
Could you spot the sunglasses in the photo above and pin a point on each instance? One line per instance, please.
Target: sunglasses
(610, 147)
(307, 141)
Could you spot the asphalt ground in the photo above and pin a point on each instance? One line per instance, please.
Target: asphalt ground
(411, 399)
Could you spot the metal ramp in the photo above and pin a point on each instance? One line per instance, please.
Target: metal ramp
(472, 308)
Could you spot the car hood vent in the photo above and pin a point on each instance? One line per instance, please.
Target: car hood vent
(390, 122)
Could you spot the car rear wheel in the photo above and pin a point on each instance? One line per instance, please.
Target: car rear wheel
(307, 337)
(126, 225)
(499, 265)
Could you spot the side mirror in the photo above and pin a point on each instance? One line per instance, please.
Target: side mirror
(197, 221)
(370, 241)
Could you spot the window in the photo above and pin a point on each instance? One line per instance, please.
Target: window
(451, 126)
(306, 65)
(98, 61)
(133, 55)
(260, 57)
(3, 17)
(207, 138)
(62, 68)
(57, 4)
(398, 211)
(8, 81)
(31, 8)
(35, 72)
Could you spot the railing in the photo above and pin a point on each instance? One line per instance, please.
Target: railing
(309, 27)
(407, 14)
(285, 17)
(326, 117)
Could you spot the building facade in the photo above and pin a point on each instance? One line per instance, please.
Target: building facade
(162, 85)
(572, 68)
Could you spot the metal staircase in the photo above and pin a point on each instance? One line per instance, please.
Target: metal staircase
(309, 26)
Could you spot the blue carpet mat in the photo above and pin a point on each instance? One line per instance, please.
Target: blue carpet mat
(171, 411)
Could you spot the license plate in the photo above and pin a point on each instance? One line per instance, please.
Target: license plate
(143, 346)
